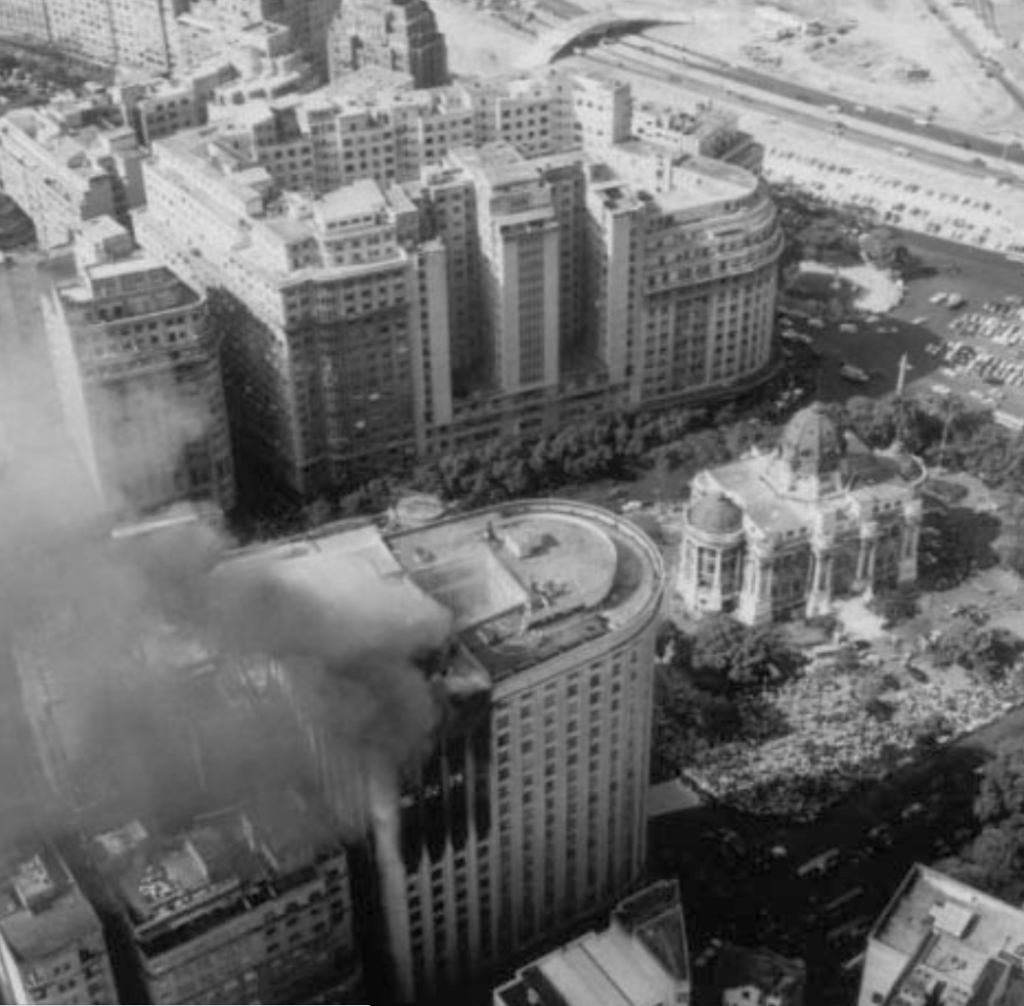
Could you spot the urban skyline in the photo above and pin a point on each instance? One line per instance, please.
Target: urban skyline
(511, 503)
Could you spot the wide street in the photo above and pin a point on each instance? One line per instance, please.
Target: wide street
(879, 832)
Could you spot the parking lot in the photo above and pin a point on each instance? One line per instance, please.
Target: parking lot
(975, 350)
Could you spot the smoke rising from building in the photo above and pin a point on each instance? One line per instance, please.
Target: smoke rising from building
(135, 712)
(356, 646)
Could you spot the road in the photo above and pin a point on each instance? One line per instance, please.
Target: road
(774, 96)
(778, 908)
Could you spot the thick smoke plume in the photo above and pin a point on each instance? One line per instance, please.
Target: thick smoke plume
(356, 645)
(140, 719)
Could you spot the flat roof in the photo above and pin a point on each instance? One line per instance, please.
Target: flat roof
(42, 909)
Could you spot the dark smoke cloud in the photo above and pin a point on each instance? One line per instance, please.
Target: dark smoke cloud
(355, 645)
(153, 735)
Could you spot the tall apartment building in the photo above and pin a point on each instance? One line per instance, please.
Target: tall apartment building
(395, 34)
(25, 19)
(65, 165)
(552, 281)
(117, 32)
(529, 814)
(330, 350)
(940, 940)
(520, 247)
(249, 905)
(208, 22)
(52, 948)
(640, 959)
(685, 277)
(138, 375)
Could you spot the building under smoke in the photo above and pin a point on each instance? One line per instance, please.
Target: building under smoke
(52, 948)
(515, 807)
(248, 905)
(138, 373)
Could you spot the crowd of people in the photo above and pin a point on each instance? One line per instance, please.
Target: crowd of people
(834, 741)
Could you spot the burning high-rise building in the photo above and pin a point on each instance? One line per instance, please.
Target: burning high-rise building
(501, 771)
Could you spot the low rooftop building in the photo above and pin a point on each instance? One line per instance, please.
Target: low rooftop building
(52, 948)
(758, 977)
(942, 942)
(641, 959)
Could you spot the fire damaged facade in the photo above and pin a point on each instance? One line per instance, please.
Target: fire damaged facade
(527, 813)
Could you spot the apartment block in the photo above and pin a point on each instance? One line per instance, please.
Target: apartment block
(138, 375)
(208, 23)
(395, 34)
(686, 275)
(326, 361)
(52, 948)
(65, 164)
(640, 959)
(26, 19)
(940, 940)
(545, 282)
(528, 816)
(249, 905)
(124, 32)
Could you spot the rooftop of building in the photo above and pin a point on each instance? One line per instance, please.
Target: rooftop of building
(496, 164)
(42, 910)
(620, 966)
(961, 945)
(824, 469)
(530, 581)
(175, 887)
(764, 969)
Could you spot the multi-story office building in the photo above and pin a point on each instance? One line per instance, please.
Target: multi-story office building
(64, 165)
(519, 238)
(122, 32)
(641, 959)
(207, 23)
(940, 940)
(552, 281)
(395, 34)
(685, 279)
(25, 19)
(528, 816)
(138, 374)
(52, 948)
(249, 67)
(249, 905)
(336, 343)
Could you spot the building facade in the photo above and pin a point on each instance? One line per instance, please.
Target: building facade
(52, 948)
(787, 532)
(541, 282)
(67, 164)
(246, 906)
(528, 815)
(940, 940)
(138, 375)
(396, 34)
(641, 959)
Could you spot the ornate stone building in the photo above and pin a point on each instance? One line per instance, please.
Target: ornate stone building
(785, 533)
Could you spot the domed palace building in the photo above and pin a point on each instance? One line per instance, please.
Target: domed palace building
(783, 534)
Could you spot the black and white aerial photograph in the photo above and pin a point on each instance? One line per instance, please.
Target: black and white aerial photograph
(512, 502)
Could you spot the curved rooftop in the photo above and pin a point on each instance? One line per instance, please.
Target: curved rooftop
(715, 514)
(530, 581)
